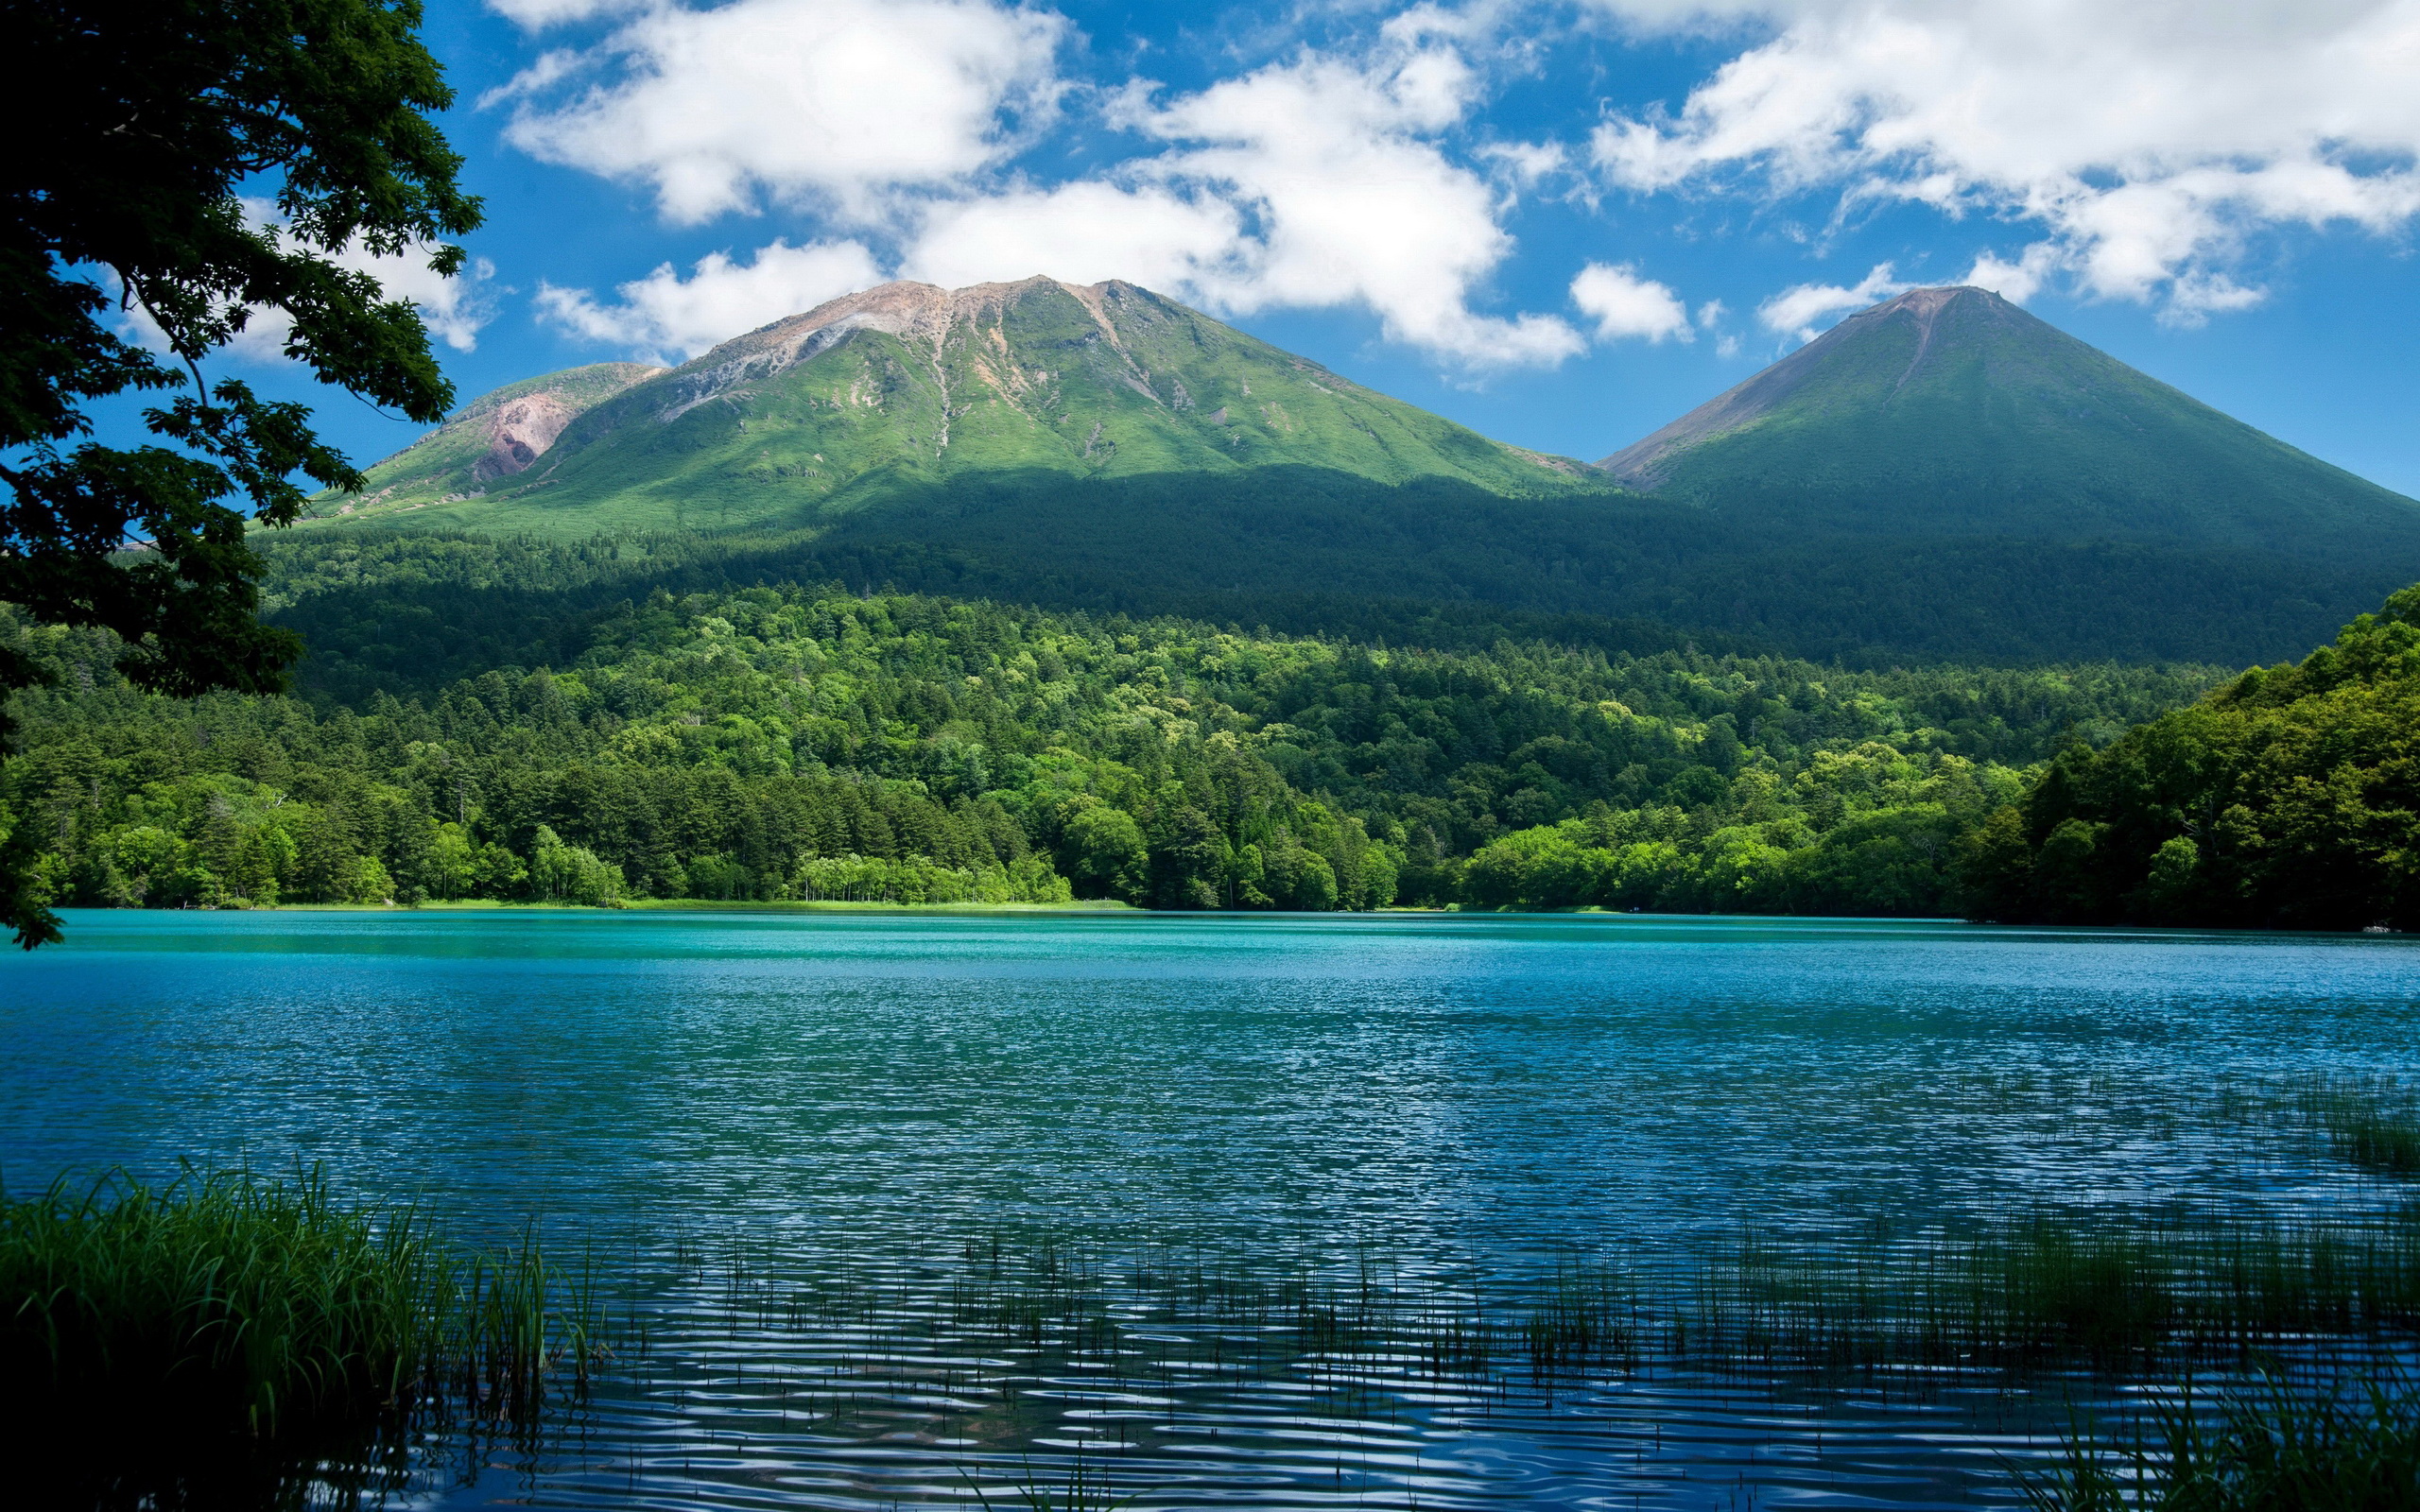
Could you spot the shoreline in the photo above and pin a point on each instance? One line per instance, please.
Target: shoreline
(711, 905)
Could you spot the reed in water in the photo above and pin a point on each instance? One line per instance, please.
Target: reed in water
(223, 1314)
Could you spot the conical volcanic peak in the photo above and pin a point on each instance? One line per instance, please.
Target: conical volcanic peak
(1838, 367)
(895, 391)
(1952, 410)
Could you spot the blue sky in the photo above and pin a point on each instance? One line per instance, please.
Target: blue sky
(1563, 224)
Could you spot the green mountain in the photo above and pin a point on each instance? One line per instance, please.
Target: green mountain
(908, 387)
(1950, 411)
(1943, 477)
(490, 441)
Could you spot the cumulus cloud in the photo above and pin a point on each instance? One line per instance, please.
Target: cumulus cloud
(1324, 180)
(1624, 304)
(668, 318)
(1084, 232)
(1314, 182)
(832, 100)
(1528, 164)
(535, 14)
(1803, 310)
(1349, 198)
(2149, 140)
(2015, 282)
(454, 309)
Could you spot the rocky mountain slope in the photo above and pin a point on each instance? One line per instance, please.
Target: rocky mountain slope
(493, 438)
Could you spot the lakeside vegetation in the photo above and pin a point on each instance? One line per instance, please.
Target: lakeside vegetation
(2274, 1447)
(2288, 798)
(225, 1319)
(286, 1332)
(801, 744)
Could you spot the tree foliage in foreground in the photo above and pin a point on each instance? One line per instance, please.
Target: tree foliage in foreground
(813, 744)
(137, 135)
(2288, 798)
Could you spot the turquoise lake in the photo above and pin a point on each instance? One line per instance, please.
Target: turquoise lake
(1461, 1096)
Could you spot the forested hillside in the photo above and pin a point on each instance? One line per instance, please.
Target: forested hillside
(767, 743)
(2288, 798)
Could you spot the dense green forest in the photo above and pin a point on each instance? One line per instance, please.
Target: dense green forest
(2287, 798)
(764, 742)
(1309, 549)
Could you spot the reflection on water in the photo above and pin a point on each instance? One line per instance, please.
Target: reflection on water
(786, 1131)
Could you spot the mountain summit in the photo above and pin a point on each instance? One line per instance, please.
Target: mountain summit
(909, 386)
(1952, 411)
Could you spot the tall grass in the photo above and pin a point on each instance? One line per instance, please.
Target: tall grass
(2022, 1291)
(2370, 1120)
(224, 1309)
(2033, 1288)
(2276, 1448)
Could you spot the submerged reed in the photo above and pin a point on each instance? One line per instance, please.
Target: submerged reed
(2369, 1120)
(2276, 1448)
(2035, 1288)
(223, 1308)
(2021, 1291)
(1084, 1488)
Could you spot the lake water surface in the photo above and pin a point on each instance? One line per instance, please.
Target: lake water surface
(1468, 1099)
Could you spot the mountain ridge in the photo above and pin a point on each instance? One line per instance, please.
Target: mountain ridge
(789, 425)
(1941, 476)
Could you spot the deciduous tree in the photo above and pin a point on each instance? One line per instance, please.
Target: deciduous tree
(179, 172)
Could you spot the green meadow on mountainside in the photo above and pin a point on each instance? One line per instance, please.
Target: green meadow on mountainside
(909, 384)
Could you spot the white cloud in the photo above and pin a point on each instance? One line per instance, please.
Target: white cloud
(1318, 182)
(1350, 200)
(2015, 282)
(1311, 184)
(1083, 233)
(535, 15)
(2195, 297)
(2149, 140)
(454, 309)
(666, 316)
(1624, 304)
(1528, 164)
(842, 100)
(1802, 310)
